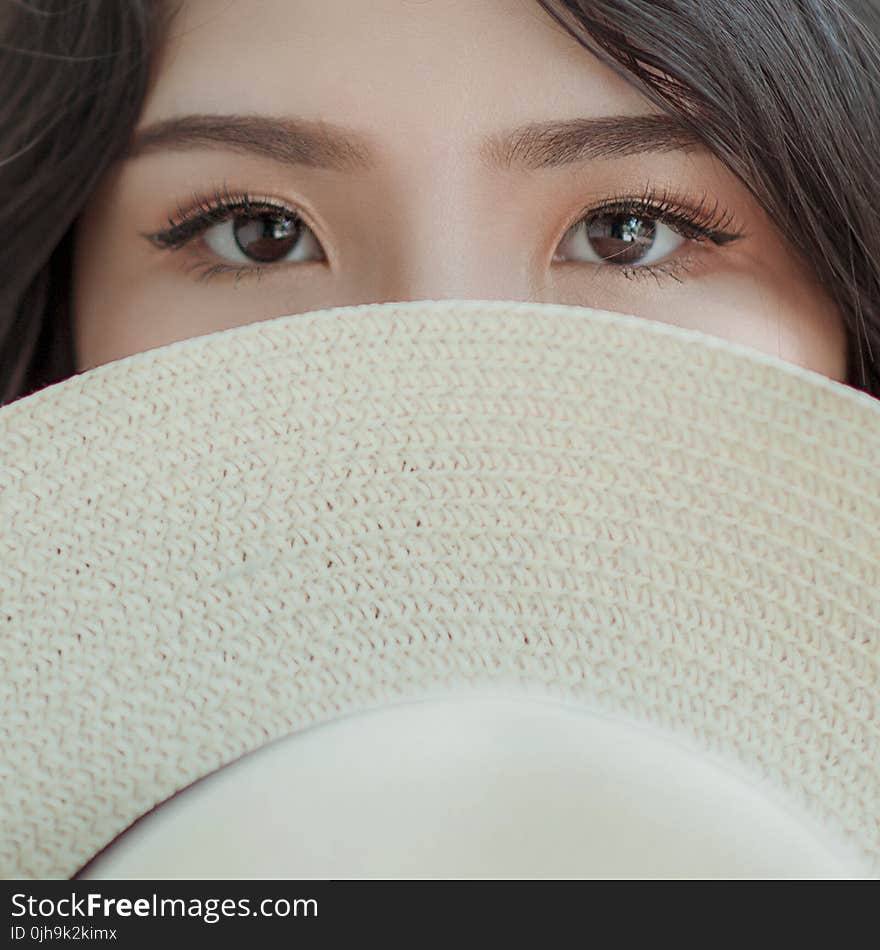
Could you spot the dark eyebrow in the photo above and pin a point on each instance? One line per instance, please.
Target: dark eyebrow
(551, 144)
(291, 141)
(320, 144)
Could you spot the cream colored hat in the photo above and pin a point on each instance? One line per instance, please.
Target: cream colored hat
(217, 544)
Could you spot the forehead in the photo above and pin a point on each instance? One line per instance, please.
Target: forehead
(394, 68)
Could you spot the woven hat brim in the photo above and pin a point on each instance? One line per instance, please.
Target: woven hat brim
(211, 545)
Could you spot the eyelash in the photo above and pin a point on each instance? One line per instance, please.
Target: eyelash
(220, 206)
(705, 222)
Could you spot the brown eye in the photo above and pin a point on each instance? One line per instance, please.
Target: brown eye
(266, 237)
(619, 239)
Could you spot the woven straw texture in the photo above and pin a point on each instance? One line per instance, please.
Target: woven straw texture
(211, 545)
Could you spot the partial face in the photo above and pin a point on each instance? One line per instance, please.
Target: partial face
(334, 153)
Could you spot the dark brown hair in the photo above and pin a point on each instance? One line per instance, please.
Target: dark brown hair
(785, 92)
(73, 78)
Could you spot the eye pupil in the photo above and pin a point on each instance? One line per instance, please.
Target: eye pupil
(623, 239)
(267, 237)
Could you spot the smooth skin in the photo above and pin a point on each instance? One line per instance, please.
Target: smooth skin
(428, 197)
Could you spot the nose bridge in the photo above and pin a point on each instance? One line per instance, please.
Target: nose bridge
(450, 240)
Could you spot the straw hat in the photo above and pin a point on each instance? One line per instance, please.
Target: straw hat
(235, 539)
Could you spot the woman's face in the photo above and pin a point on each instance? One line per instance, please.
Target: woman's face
(395, 150)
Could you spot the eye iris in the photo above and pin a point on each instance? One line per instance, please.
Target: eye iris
(267, 237)
(623, 239)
